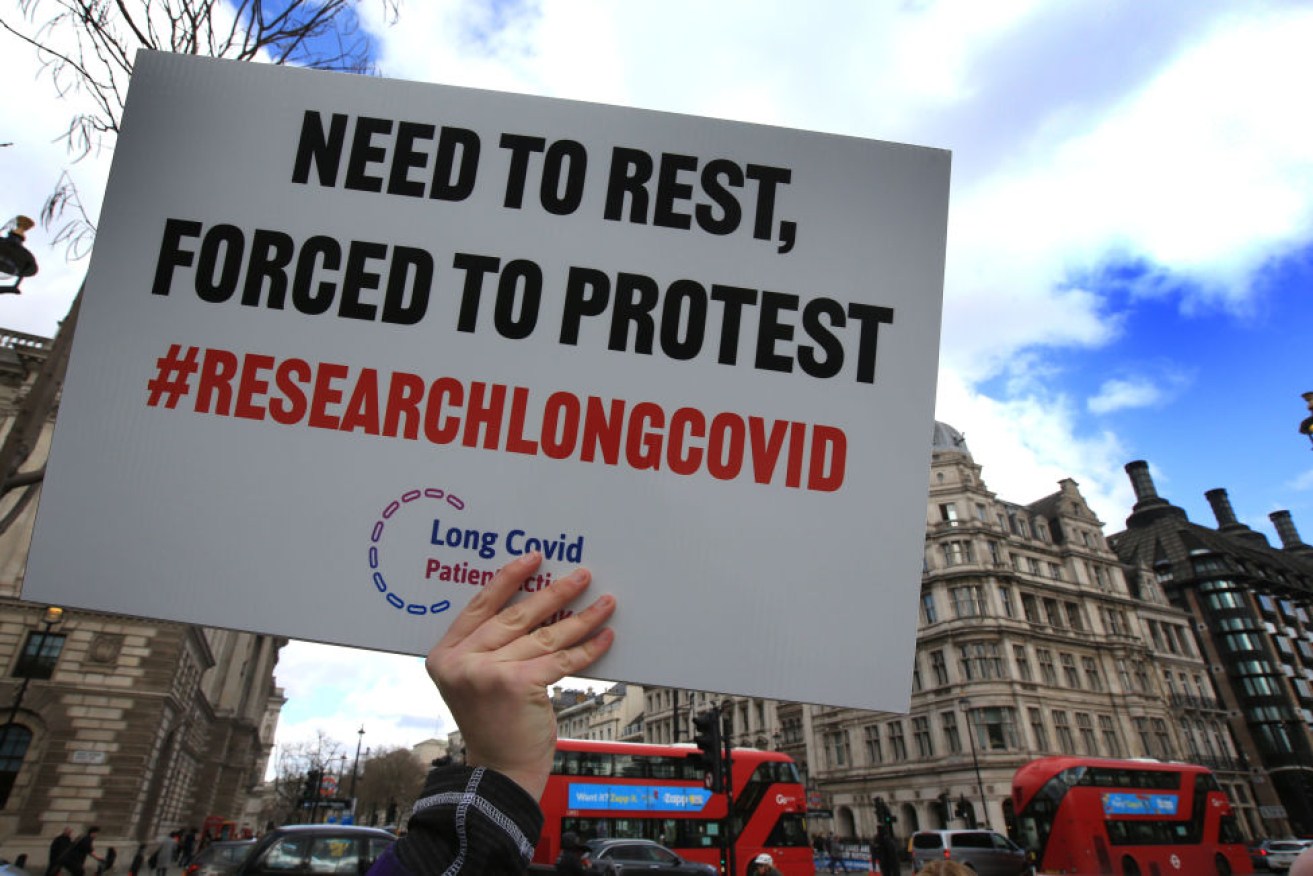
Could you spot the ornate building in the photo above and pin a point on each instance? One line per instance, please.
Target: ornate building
(136, 725)
(1033, 638)
(1252, 604)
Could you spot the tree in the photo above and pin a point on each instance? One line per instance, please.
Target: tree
(389, 782)
(294, 762)
(88, 47)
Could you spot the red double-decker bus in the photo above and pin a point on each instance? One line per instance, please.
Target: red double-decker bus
(656, 792)
(1126, 817)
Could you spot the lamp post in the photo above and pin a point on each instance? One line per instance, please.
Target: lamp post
(965, 705)
(355, 767)
(53, 615)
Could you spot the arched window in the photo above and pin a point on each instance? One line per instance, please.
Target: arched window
(14, 740)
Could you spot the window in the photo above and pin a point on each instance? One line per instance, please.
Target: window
(1069, 670)
(1038, 730)
(1023, 663)
(1074, 619)
(950, 732)
(40, 654)
(981, 660)
(1033, 564)
(1041, 531)
(1066, 743)
(1055, 571)
(993, 553)
(837, 754)
(967, 601)
(16, 741)
(1162, 739)
(1085, 726)
(939, 667)
(1052, 613)
(1109, 731)
(996, 728)
(980, 512)
(897, 744)
(916, 673)
(925, 746)
(1046, 670)
(874, 752)
(1030, 608)
(1005, 598)
(1093, 678)
(956, 552)
(948, 514)
(928, 608)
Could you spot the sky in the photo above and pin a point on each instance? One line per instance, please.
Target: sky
(1130, 249)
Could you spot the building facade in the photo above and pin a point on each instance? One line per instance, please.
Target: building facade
(139, 726)
(1251, 604)
(1034, 638)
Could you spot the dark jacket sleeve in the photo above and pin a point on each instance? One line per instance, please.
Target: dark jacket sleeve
(466, 821)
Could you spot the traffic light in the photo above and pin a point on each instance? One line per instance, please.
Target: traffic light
(883, 814)
(706, 737)
(310, 791)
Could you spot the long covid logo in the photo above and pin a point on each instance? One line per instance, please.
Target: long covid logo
(412, 503)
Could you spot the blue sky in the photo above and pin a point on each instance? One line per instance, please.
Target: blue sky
(1130, 239)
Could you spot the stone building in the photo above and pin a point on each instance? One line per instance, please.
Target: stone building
(136, 725)
(1033, 638)
(1251, 604)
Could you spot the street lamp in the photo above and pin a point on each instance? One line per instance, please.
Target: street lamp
(965, 705)
(15, 259)
(355, 766)
(53, 615)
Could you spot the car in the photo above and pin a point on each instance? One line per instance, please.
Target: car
(984, 851)
(220, 858)
(618, 857)
(303, 849)
(1281, 853)
(1258, 855)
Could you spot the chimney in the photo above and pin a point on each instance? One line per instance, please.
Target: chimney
(1285, 527)
(1142, 482)
(1222, 509)
(1149, 506)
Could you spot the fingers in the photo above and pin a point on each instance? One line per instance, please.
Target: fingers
(516, 620)
(489, 600)
(552, 667)
(562, 634)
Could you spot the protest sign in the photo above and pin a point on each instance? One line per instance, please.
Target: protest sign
(348, 345)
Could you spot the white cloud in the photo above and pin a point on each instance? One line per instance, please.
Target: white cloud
(1117, 395)
(1301, 483)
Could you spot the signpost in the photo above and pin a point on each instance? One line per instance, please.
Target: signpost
(349, 345)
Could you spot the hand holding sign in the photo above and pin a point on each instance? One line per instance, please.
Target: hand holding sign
(494, 664)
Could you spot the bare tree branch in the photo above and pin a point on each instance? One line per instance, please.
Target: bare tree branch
(88, 47)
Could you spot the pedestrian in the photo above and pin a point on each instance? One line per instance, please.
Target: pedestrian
(763, 865)
(75, 859)
(887, 848)
(162, 857)
(138, 860)
(58, 846)
(835, 852)
(107, 863)
(573, 860)
(21, 861)
(188, 848)
(492, 669)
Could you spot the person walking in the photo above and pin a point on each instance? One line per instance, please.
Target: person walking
(835, 853)
(75, 859)
(138, 860)
(573, 860)
(58, 847)
(763, 865)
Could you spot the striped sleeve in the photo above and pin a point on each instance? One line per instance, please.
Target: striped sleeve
(465, 821)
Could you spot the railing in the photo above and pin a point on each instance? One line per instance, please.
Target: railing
(16, 340)
(1188, 701)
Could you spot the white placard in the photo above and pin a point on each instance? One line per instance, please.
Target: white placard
(350, 344)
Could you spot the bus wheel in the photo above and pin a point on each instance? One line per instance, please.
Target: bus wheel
(1223, 866)
(1129, 867)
